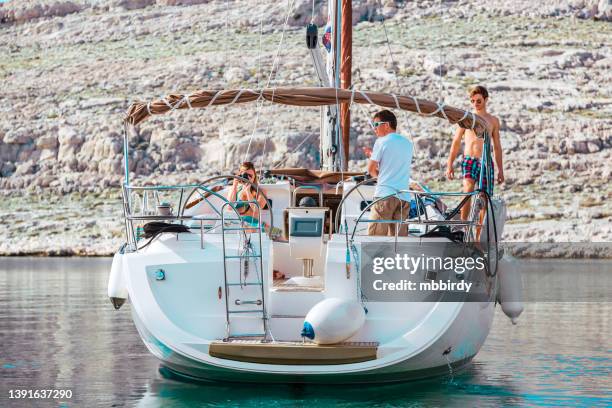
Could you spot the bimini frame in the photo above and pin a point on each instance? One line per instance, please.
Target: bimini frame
(308, 96)
(313, 96)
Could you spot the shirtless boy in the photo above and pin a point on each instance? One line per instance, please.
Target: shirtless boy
(472, 152)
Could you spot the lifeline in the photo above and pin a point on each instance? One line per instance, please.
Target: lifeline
(407, 285)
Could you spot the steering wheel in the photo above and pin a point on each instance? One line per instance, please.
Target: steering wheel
(205, 192)
(355, 187)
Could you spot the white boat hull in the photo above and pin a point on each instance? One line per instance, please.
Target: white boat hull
(185, 367)
(180, 316)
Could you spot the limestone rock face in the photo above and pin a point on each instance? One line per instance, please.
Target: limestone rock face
(69, 143)
(181, 2)
(133, 4)
(24, 11)
(235, 75)
(7, 169)
(26, 167)
(70, 69)
(47, 142)
(18, 136)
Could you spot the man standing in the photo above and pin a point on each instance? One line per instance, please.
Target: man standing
(471, 167)
(390, 161)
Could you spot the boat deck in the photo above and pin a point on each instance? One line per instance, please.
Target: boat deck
(287, 353)
(281, 285)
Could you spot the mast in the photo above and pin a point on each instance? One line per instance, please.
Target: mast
(330, 128)
(346, 56)
(337, 39)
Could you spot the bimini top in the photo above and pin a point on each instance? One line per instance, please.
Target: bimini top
(312, 96)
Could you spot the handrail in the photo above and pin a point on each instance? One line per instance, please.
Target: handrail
(337, 219)
(298, 188)
(232, 176)
(417, 194)
(129, 217)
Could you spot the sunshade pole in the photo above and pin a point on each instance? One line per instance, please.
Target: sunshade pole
(126, 160)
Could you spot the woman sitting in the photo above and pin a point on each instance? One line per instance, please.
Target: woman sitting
(242, 191)
(249, 213)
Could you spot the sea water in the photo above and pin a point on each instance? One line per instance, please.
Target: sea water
(59, 331)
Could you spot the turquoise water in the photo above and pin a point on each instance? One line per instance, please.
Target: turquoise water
(58, 330)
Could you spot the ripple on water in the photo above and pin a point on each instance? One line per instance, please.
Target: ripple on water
(59, 330)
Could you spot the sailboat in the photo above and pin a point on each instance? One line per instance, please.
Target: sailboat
(214, 298)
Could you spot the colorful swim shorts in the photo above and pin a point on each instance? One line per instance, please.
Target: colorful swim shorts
(471, 167)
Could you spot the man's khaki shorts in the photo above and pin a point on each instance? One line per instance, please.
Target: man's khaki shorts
(391, 208)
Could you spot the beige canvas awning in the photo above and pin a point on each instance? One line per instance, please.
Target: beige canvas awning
(315, 96)
(314, 176)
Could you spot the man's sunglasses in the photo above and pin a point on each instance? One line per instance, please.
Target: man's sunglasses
(377, 124)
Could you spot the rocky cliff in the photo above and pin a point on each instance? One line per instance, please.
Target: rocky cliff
(69, 69)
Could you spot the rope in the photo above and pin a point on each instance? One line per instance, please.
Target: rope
(213, 99)
(367, 98)
(168, 104)
(139, 111)
(186, 98)
(438, 108)
(352, 96)
(240, 92)
(397, 105)
(441, 108)
(416, 102)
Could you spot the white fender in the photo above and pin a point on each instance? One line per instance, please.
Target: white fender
(117, 290)
(333, 320)
(510, 292)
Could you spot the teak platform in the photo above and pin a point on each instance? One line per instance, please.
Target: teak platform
(293, 353)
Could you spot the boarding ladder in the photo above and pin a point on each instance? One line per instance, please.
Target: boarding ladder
(247, 256)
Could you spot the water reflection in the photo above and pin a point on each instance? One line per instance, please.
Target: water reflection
(58, 330)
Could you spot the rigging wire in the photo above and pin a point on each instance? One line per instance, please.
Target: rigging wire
(290, 5)
(227, 61)
(440, 81)
(406, 120)
(313, 12)
(282, 160)
(257, 77)
(393, 63)
(259, 53)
